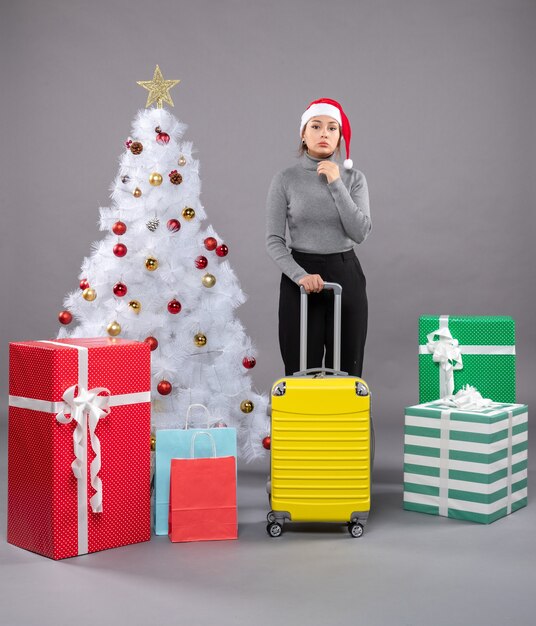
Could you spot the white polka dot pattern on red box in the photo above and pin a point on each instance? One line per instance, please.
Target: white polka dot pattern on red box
(42, 490)
(125, 477)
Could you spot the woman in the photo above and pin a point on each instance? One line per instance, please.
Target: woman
(327, 213)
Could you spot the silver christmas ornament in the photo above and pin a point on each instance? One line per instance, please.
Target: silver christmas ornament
(153, 224)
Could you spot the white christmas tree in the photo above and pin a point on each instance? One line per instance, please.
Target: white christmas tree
(160, 276)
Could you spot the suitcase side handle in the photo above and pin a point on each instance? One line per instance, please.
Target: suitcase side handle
(337, 299)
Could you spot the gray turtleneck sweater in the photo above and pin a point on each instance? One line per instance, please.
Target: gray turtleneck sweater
(322, 218)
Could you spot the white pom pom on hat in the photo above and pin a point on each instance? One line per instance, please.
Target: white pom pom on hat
(326, 106)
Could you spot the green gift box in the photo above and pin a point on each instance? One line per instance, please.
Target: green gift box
(469, 465)
(455, 351)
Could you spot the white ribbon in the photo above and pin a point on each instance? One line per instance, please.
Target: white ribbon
(444, 445)
(446, 352)
(509, 465)
(86, 408)
(468, 399)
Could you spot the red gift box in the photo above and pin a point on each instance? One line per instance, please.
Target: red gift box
(79, 445)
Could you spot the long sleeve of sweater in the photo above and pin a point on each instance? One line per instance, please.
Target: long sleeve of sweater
(353, 207)
(276, 230)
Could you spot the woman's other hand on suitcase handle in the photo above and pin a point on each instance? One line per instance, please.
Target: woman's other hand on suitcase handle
(312, 283)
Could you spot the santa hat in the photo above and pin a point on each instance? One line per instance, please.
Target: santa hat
(325, 106)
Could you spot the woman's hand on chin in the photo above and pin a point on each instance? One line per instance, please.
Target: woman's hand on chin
(329, 169)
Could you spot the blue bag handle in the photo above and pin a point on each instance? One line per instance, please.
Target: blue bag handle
(188, 414)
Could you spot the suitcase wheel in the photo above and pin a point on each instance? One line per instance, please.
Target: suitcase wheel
(274, 529)
(356, 530)
(271, 517)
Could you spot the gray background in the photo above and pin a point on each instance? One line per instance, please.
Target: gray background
(441, 97)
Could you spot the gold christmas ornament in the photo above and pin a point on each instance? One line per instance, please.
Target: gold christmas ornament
(188, 213)
(208, 280)
(246, 406)
(182, 160)
(89, 294)
(151, 264)
(200, 340)
(137, 192)
(155, 179)
(153, 442)
(113, 328)
(158, 89)
(135, 305)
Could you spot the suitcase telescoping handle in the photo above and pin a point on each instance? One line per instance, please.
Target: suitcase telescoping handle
(337, 299)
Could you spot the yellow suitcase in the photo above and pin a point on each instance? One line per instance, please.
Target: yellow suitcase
(321, 441)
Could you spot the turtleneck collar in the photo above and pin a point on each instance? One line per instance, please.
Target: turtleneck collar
(311, 163)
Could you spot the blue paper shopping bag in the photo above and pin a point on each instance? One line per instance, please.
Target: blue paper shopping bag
(175, 444)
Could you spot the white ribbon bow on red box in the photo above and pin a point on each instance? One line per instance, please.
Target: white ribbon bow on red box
(86, 409)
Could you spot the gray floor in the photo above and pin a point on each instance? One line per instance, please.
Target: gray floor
(406, 569)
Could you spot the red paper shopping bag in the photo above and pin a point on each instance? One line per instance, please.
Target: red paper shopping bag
(202, 497)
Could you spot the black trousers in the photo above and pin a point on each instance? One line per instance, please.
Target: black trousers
(345, 269)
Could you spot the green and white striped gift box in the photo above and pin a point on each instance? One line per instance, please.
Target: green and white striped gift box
(469, 465)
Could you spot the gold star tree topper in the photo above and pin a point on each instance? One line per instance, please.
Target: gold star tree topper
(158, 89)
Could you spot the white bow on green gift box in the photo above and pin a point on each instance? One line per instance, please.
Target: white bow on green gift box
(447, 352)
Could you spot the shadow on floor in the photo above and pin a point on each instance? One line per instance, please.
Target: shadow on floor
(386, 499)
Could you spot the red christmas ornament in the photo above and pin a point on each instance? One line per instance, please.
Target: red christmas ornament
(249, 362)
(119, 228)
(65, 317)
(210, 243)
(174, 307)
(84, 284)
(128, 143)
(164, 387)
(120, 289)
(266, 443)
(222, 250)
(201, 262)
(120, 249)
(174, 225)
(153, 342)
(162, 138)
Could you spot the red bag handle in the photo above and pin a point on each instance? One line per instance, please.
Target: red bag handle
(212, 443)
